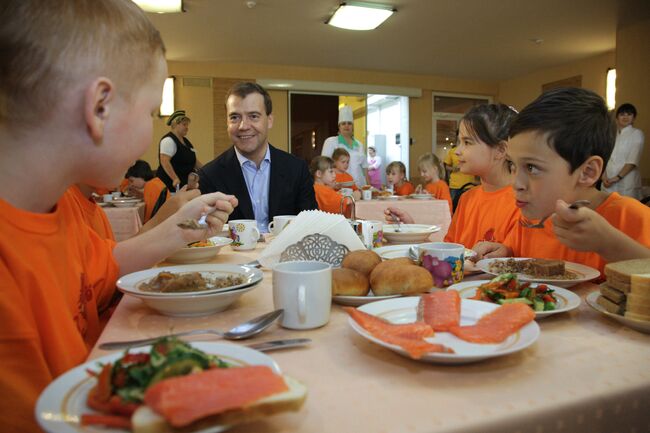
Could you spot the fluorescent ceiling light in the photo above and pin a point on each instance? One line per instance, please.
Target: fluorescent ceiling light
(360, 15)
(160, 6)
(167, 106)
(611, 88)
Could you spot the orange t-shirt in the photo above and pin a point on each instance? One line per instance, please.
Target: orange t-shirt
(483, 216)
(94, 216)
(626, 214)
(406, 188)
(152, 190)
(55, 273)
(346, 177)
(330, 200)
(440, 190)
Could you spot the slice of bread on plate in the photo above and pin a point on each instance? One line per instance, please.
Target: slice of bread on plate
(638, 300)
(619, 274)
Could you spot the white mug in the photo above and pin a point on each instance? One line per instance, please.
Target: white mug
(444, 260)
(367, 194)
(279, 223)
(372, 233)
(244, 234)
(304, 291)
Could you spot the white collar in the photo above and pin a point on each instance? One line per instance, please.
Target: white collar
(242, 159)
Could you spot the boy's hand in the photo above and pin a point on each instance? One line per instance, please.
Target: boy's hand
(221, 205)
(488, 250)
(403, 216)
(581, 229)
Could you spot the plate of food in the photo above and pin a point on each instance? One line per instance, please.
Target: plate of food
(77, 401)
(544, 299)
(556, 272)
(200, 251)
(408, 233)
(421, 196)
(389, 319)
(126, 202)
(389, 197)
(355, 301)
(348, 184)
(592, 300)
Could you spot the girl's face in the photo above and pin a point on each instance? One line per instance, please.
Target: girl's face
(474, 156)
(342, 163)
(136, 182)
(394, 176)
(328, 177)
(429, 173)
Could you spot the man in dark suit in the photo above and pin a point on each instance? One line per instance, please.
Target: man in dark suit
(266, 181)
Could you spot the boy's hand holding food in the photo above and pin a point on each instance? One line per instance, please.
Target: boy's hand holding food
(488, 250)
(215, 206)
(403, 216)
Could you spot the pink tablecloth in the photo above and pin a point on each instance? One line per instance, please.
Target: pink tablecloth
(125, 221)
(423, 212)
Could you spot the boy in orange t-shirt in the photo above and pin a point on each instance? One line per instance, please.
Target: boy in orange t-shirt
(559, 144)
(396, 176)
(329, 200)
(143, 184)
(341, 158)
(72, 106)
(429, 166)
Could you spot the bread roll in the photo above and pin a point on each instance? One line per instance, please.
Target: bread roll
(400, 278)
(348, 282)
(363, 261)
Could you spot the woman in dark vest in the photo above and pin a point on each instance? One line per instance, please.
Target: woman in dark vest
(176, 154)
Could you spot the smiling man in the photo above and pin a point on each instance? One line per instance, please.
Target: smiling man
(265, 180)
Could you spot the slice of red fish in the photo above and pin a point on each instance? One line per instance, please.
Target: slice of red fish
(496, 326)
(441, 310)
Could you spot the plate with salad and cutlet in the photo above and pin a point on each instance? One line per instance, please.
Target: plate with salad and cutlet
(544, 299)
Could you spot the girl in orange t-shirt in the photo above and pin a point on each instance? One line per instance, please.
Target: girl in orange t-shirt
(329, 200)
(142, 183)
(430, 168)
(396, 176)
(341, 158)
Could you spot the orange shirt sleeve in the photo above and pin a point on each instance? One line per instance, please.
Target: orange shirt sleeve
(152, 190)
(440, 190)
(406, 188)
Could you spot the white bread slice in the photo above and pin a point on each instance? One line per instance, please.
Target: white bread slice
(640, 284)
(619, 273)
(610, 306)
(636, 316)
(145, 420)
(612, 294)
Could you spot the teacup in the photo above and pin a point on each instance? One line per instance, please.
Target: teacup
(444, 260)
(371, 233)
(244, 234)
(279, 223)
(304, 291)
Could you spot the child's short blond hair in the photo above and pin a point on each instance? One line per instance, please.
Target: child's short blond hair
(398, 165)
(321, 163)
(339, 152)
(50, 46)
(430, 160)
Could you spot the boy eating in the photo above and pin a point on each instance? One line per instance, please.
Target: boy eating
(559, 145)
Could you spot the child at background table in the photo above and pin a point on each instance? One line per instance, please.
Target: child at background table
(143, 184)
(486, 212)
(559, 145)
(430, 169)
(103, 69)
(329, 200)
(341, 158)
(396, 177)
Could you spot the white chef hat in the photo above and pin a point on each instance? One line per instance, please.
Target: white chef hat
(345, 114)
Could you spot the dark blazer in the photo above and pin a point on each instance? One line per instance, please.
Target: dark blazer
(291, 188)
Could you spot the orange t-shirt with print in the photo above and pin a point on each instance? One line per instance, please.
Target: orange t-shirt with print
(406, 188)
(626, 214)
(346, 177)
(93, 214)
(55, 274)
(152, 190)
(439, 190)
(330, 200)
(483, 216)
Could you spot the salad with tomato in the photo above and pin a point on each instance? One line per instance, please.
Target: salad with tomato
(121, 385)
(506, 288)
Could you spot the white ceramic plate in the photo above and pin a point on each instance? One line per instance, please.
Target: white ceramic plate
(355, 301)
(639, 325)
(566, 300)
(409, 233)
(126, 203)
(347, 184)
(582, 272)
(402, 250)
(388, 197)
(421, 196)
(61, 404)
(199, 254)
(403, 310)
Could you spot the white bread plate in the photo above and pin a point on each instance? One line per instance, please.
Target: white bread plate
(61, 404)
(199, 254)
(638, 325)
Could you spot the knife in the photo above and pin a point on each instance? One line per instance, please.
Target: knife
(265, 346)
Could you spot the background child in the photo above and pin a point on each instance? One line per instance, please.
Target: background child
(82, 80)
(458, 182)
(430, 169)
(341, 158)
(329, 200)
(396, 176)
(559, 144)
(143, 184)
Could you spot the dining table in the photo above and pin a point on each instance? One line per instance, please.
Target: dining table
(126, 222)
(585, 372)
(429, 211)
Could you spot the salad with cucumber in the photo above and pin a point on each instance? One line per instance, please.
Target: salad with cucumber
(506, 289)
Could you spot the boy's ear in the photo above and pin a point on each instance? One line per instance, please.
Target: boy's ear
(99, 96)
(590, 171)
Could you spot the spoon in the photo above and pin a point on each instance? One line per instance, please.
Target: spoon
(397, 221)
(239, 332)
(540, 225)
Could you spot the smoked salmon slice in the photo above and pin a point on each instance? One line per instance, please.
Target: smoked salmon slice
(496, 326)
(184, 399)
(441, 310)
(409, 336)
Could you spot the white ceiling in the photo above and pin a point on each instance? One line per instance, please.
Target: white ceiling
(483, 39)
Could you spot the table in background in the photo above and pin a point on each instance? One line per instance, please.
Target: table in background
(125, 221)
(423, 212)
(586, 373)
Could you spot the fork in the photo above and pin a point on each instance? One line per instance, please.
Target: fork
(540, 225)
(397, 221)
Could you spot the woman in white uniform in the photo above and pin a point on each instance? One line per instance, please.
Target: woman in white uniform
(622, 172)
(345, 139)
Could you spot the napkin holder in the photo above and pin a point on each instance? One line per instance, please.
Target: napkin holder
(316, 247)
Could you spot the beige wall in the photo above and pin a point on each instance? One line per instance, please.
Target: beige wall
(522, 90)
(633, 80)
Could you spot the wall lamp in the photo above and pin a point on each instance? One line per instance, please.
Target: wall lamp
(167, 106)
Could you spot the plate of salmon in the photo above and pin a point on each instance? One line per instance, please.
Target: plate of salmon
(442, 328)
(61, 405)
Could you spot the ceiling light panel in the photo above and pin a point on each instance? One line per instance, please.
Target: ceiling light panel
(360, 15)
(160, 6)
